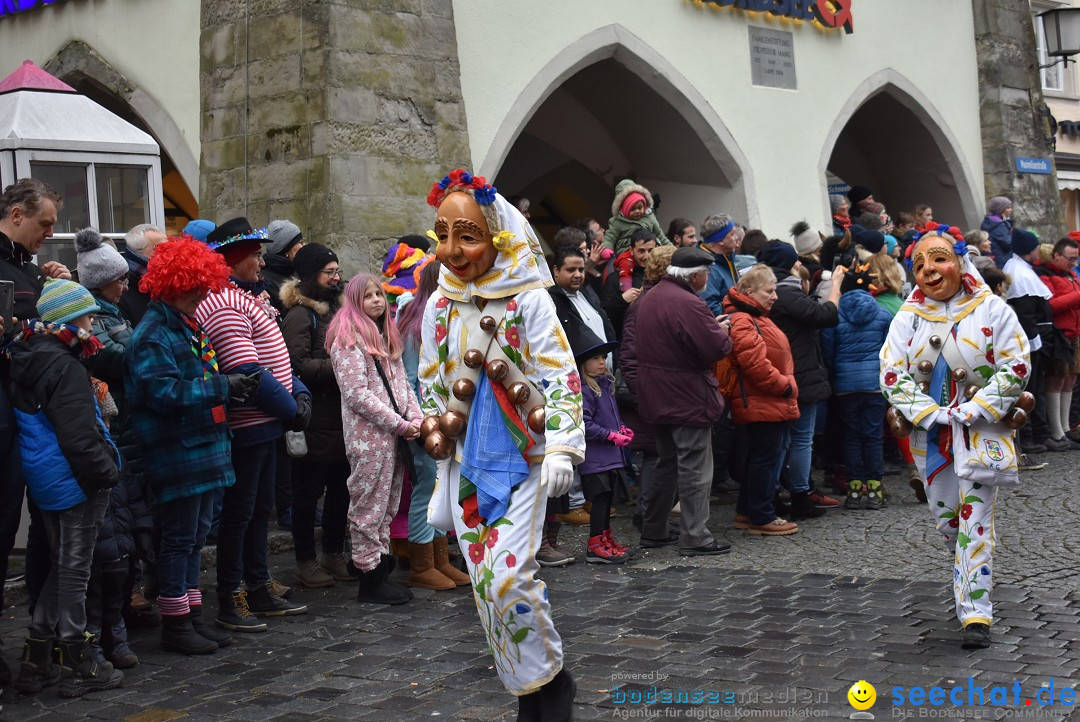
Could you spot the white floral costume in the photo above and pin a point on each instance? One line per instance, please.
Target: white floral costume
(994, 347)
(512, 602)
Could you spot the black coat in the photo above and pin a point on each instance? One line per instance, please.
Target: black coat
(278, 270)
(127, 518)
(801, 318)
(16, 266)
(569, 316)
(612, 299)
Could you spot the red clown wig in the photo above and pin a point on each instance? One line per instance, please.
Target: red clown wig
(183, 265)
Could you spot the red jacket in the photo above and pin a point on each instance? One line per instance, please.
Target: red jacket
(767, 390)
(1065, 303)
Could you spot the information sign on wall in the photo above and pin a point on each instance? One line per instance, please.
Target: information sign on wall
(772, 58)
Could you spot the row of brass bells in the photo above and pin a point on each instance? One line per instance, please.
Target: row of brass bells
(436, 444)
(1018, 414)
(897, 423)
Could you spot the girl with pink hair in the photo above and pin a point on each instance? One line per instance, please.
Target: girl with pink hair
(379, 414)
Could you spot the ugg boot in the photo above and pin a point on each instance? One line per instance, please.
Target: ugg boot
(400, 549)
(803, 508)
(37, 670)
(557, 698)
(441, 548)
(208, 631)
(81, 674)
(120, 653)
(422, 571)
(374, 587)
(177, 635)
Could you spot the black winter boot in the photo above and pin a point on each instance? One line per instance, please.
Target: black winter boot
(530, 707)
(177, 635)
(557, 698)
(221, 639)
(803, 508)
(37, 670)
(391, 562)
(374, 587)
(81, 673)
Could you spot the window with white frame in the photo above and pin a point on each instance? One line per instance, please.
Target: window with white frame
(1057, 78)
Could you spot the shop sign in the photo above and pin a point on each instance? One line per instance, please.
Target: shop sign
(1069, 127)
(831, 14)
(11, 7)
(1040, 166)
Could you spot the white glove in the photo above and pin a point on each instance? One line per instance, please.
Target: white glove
(968, 413)
(557, 473)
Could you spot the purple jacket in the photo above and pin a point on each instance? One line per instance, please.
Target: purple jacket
(601, 418)
(679, 342)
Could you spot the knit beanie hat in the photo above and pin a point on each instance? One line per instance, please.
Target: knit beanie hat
(807, 240)
(997, 205)
(415, 241)
(890, 243)
(64, 301)
(858, 193)
(311, 259)
(872, 241)
(629, 202)
(283, 235)
(1024, 241)
(778, 254)
(99, 263)
(199, 229)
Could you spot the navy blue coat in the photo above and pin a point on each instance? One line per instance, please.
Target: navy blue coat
(1000, 232)
(601, 416)
(851, 348)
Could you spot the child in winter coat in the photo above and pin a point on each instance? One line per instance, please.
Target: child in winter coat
(605, 438)
(70, 463)
(632, 209)
(849, 350)
(379, 413)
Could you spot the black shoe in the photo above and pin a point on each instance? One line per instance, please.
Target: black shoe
(177, 635)
(803, 508)
(81, 674)
(221, 639)
(390, 562)
(263, 603)
(530, 707)
(975, 636)
(1057, 445)
(557, 698)
(657, 543)
(707, 550)
(1034, 449)
(234, 614)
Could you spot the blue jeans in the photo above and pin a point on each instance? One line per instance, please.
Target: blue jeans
(183, 524)
(72, 535)
(245, 515)
(761, 478)
(862, 416)
(420, 532)
(800, 448)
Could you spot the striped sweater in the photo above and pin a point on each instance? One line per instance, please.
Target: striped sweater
(244, 330)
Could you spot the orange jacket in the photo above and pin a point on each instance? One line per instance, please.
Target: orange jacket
(766, 390)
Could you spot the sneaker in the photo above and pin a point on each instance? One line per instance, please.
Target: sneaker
(776, 527)
(279, 590)
(138, 601)
(917, 486)
(742, 521)
(854, 498)
(822, 501)
(617, 546)
(1057, 445)
(599, 552)
(1073, 435)
(1027, 464)
(234, 614)
(577, 517)
(975, 636)
(309, 574)
(1073, 446)
(1035, 449)
(803, 508)
(548, 556)
(875, 499)
(264, 603)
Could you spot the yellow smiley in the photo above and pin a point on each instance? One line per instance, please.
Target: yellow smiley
(862, 695)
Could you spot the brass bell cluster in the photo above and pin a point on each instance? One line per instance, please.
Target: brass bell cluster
(439, 433)
(1016, 417)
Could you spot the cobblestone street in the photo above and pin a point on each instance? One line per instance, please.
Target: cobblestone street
(778, 629)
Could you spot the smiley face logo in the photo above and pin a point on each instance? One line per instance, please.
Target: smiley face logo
(862, 695)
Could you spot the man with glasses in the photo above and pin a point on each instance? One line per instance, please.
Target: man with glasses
(1064, 364)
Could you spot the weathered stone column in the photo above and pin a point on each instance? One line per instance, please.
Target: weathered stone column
(336, 115)
(1010, 98)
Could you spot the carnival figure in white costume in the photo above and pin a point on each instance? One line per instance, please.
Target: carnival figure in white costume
(502, 401)
(955, 365)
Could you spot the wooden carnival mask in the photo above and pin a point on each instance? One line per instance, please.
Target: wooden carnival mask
(938, 270)
(465, 244)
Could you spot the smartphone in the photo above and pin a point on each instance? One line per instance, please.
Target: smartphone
(7, 303)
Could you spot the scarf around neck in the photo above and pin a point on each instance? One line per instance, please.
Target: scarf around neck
(68, 334)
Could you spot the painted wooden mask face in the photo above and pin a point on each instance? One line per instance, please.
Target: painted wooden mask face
(937, 268)
(465, 246)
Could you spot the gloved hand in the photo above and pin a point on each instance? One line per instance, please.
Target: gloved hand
(618, 439)
(626, 431)
(557, 474)
(968, 413)
(303, 413)
(242, 388)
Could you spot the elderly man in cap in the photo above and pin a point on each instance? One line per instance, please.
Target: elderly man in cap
(242, 327)
(681, 398)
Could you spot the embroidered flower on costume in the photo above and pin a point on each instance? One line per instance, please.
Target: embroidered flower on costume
(954, 522)
(512, 305)
(984, 570)
(918, 296)
(476, 553)
(573, 381)
(443, 302)
(522, 608)
(511, 561)
(492, 537)
(440, 332)
(965, 511)
(501, 241)
(513, 337)
(990, 356)
(890, 378)
(987, 332)
(1020, 370)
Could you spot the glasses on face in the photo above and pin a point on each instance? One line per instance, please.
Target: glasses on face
(336, 273)
(1071, 259)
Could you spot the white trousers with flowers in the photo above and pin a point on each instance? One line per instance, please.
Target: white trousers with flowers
(964, 514)
(512, 602)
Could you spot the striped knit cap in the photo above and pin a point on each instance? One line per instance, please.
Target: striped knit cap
(64, 301)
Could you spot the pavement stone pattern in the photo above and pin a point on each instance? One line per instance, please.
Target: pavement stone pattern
(778, 629)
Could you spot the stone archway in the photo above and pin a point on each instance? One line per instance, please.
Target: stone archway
(890, 138)
(569, 138)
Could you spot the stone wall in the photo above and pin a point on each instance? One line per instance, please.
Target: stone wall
(1010, 98)
(335, 114)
